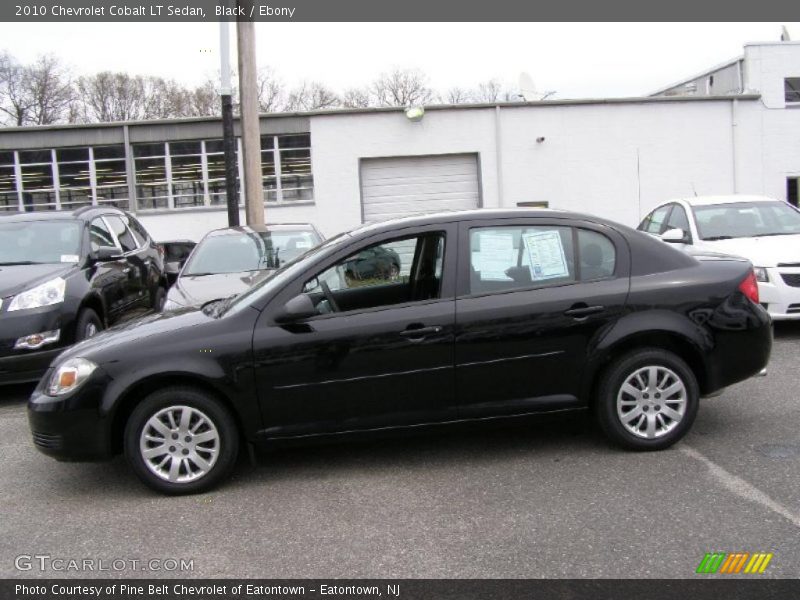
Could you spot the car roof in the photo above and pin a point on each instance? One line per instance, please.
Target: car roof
(478, 214)
(721, 199)
(85, 213)
(246, 229)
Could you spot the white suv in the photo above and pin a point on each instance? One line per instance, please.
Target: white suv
(763, 230)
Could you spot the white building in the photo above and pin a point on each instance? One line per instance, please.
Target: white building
(732, 129)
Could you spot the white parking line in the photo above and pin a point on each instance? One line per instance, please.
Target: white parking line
(740, 487)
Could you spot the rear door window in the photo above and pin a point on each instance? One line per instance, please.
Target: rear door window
(505, 258)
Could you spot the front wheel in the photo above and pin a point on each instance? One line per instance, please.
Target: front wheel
(87, 325)
(181, 440)
(647, 400)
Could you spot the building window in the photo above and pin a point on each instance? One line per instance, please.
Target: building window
(791, 89)
(791, 190)
(152, 183)
(74, 177)
(38, 183)
(188, 187)
(110, 176)
(215, 168)
(9, 199)
(286, 168)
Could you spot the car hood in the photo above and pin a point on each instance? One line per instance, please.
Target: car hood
(196, 290)
(765, 251)
(101, 347)
(18, 278)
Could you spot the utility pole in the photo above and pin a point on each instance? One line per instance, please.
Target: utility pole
(248, 106)
(228, 139)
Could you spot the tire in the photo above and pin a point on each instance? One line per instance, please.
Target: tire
(159, 298)
(87, 325)
(662, 419)
(207, 417)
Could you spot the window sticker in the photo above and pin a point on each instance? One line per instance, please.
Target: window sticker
(546, 255)
(303, 244)
(495, 256)
(70, 258)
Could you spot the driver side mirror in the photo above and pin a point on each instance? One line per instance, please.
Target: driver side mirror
(298, 308)
(675, 236)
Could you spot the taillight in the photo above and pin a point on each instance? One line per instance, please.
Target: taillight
(749, 286)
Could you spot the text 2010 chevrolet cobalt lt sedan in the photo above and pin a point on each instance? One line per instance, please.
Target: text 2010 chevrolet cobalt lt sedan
(492, 313)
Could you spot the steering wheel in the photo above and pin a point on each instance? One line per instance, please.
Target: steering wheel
(326, 291)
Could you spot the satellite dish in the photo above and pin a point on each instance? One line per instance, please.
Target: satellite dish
(527, 89)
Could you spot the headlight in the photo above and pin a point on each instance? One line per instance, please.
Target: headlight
(69, 376)
(46, 294)
(761, 274)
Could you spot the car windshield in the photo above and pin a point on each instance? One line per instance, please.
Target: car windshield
(40, 242)
(284, 274)
(746, 219)
(237, 251)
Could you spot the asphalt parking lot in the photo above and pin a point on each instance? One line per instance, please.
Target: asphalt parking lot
(547, 498)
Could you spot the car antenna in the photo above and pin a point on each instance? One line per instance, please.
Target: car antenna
(693, 190)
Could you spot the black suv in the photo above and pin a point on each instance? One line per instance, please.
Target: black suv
(64, 276)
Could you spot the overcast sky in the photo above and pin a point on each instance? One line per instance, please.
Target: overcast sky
(574, 59)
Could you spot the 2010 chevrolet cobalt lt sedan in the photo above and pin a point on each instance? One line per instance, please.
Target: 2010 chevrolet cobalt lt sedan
(489, 314)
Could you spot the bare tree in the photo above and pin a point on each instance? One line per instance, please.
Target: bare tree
(356, 98)
(270, 90)
(111, 96)
(402, 87)
(311, 95)
(489, 91)
(204, 100)
(49, 86)
(458, 95)
(15, 101)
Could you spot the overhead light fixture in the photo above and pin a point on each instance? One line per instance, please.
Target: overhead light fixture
(415, 113)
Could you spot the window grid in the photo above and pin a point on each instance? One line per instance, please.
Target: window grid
(37, 185)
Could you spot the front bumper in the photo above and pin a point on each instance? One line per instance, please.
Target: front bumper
(24, 366)
(781, 294)
(72, 427)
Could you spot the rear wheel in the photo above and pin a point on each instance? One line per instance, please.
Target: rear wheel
(88, 324)
(647, 400)
(181, 440)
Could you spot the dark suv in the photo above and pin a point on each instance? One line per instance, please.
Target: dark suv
(64, 276)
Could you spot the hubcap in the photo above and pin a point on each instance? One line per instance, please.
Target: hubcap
(651, 402)
(179, 444)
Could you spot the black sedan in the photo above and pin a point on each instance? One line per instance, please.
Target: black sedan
(502, 313)
(228, 261)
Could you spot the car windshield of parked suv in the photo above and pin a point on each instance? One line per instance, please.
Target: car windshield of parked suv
(746, 219)
(235, 252)
(40, 242)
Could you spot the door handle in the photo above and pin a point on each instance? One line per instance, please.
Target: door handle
(581, 311)
(419, 333)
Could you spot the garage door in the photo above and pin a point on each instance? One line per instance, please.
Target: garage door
(398, 187)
